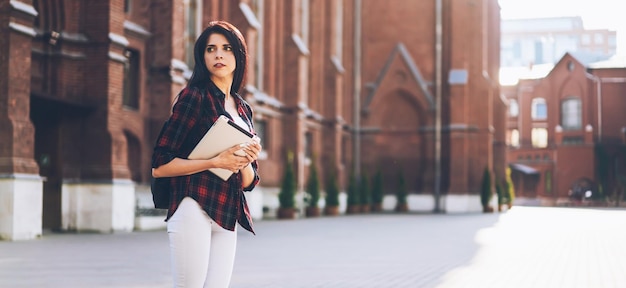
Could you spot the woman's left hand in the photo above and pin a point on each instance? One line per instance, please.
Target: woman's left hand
(251, 151)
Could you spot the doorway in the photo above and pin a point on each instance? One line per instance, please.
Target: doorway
(46, 119)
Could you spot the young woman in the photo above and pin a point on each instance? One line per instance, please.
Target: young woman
(204, 210)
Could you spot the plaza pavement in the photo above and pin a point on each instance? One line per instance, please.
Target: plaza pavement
(523, 247)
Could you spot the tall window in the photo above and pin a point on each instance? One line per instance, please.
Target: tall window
(539, 137)
(134, 157)
(344, 150)
(598, 38)
(548, 182)
(130, 97)
(571, 114)
(338, 29)
(260, 127)
(257, 8)
(127, 4)
(539, 110)
(513, 108)
(193, 27)
(517, 49)
(304, 24)
(539, 52)
(308, 145)
(514, 138)
(585, 39)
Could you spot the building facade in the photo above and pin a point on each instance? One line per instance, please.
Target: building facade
(567, 134)
(534, 41)
(360, 85)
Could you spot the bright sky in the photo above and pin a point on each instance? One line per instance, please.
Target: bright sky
(596, 14)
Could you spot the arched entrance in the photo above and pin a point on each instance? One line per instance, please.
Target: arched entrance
(46, 120)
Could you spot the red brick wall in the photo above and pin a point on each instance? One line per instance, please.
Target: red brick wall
(16, 129)
(398, 127)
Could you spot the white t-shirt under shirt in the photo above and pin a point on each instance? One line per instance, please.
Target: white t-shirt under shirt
(239, 121)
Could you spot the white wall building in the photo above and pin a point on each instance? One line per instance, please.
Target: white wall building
(527, 42)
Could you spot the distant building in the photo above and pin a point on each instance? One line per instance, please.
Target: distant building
(545, 40)
(86, 85)
(566, 133)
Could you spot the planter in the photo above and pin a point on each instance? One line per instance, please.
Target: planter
(312, 211)
(487, 209)
(365, 208)
(331, 210)
(377, 207)
(353, 209)
(286, 213)
(402, 207)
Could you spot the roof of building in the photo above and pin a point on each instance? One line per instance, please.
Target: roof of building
(510, 76)
(617, 61)
(524, 169)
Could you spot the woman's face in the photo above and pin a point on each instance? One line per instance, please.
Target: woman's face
(219, 58)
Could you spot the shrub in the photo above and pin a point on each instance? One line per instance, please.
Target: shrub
(366, 197)
(332, 189)
(500, 193)
(509, 188)
(286, 197)
(353, 193)
(485, 192)
(401, 191)
(313, 185)
(377, 188)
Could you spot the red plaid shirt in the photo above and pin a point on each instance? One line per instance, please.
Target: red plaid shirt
(192, 115)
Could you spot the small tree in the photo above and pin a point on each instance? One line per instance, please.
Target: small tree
(313, 190)
(332, 193)
(286, 197)
(353, 194)
(313, 185)
(365, 196)
(619, 194)
(486, 192)
(501, 193)
(377, 191)
(401, 193)
(509, 188)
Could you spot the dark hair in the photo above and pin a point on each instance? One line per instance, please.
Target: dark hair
(201, 76)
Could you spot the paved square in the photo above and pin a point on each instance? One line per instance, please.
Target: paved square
(524, 247)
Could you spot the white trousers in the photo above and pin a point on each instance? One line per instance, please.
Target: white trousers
(202, 252)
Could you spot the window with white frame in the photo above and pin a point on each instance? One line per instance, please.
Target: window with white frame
(539, 137)
(598, 38)
(585, 39)
(513, 108)
(539, 109)
(571, 114)
(193, 28)
(514, 140)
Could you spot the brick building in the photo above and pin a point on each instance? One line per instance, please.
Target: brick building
(86, 85)
(567, 133)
